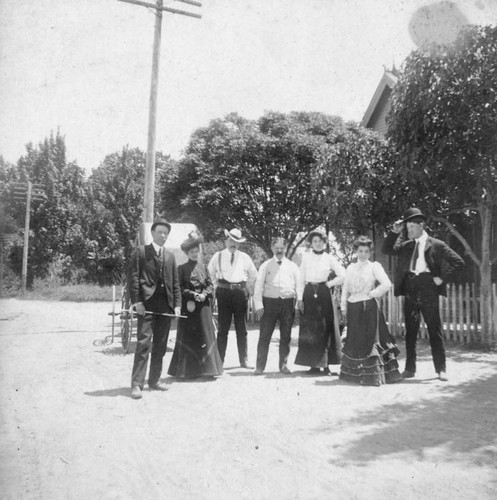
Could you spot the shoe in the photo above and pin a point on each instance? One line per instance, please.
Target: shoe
(244, 364)
(408, 374)
(136, 392)
(285, 370)
(442, 376)
(258, 372)
(326, 371)
(158, 386)
(313, 371)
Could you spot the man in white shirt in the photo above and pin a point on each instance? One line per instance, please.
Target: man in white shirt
(275, 297)
(233, 274)
(424, 266)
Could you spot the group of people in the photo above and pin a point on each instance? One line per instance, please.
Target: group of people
(160, 290)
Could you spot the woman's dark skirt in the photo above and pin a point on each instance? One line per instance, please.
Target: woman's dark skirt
(319, 334)
(195, 352)
(369, 354)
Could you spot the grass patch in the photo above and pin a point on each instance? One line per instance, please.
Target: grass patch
(73, 293)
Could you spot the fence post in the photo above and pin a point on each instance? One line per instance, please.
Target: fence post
(467, 313)
(494, 322)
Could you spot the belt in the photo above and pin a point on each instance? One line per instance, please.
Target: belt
(412, 275)
(231, 286)
(316, 284)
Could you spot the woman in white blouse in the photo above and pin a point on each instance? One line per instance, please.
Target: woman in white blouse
(369, 353)
(319, 335)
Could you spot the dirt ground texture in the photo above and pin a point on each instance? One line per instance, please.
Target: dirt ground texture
(70, 430)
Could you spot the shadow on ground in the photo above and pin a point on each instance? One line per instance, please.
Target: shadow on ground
(461, 422)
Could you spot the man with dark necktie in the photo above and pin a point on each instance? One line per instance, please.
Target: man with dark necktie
(154, 292)
(275, 298)
(424, 266)
(233, 274)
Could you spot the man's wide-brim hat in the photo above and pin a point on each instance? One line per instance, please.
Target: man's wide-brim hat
(161, 222)
(235, 235)
(317, 232)
(194, 239)
(412, 213)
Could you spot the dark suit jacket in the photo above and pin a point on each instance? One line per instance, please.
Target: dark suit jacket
(440, 258)
(144, 273)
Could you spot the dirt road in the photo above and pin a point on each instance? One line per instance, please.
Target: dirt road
(70, 430)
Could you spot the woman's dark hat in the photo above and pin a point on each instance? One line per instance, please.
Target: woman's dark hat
(317, 232)
(194, 239)
(411, 213)
(160, 222)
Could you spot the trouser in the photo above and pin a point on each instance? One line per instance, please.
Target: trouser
(282, 310)
(232, 303)
(422, 298)
(152, 335)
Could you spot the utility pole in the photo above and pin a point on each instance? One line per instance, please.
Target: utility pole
(31, 192)
(148, 201)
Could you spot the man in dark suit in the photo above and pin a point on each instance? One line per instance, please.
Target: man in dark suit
(424, 266)
(154, 291)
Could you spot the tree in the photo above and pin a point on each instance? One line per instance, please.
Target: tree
(256, 175)
(54, 218)
(443, 124)
(359, 183)
(116, 198)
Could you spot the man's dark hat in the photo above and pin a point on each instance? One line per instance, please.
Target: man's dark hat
(160, 222)
(317, 232)
(411, 213)
(194, 239)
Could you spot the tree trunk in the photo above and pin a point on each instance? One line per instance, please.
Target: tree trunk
(487, 326)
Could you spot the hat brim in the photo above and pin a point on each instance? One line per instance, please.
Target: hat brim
(234, 238)
(415, 216)
(316, 233)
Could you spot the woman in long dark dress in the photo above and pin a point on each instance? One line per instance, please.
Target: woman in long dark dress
(369, 354)
(319, 335)
(195, 352)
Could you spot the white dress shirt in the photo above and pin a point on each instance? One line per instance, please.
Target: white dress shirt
(157, 248)
(420, 265)
(276, 281)
(242, 269)
(360, 280)
(315, 268)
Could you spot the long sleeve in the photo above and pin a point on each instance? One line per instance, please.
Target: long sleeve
(176, 287)
(133, 278)
(452, 263)
(383, 280)
(209, 287)
(301, 278)
(345, 289)
(339, 270)
(212, 268)
(259, 286)
(390, 245)
(251, 274)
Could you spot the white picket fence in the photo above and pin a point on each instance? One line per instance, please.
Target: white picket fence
(459, 312)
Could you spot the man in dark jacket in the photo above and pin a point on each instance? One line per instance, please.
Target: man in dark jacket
(154, 292)
(424, 266)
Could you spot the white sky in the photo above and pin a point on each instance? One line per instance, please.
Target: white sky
(84, 66)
